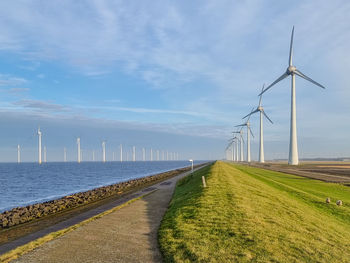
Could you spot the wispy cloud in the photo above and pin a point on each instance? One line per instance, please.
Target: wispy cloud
(40, 105)
(8, 80)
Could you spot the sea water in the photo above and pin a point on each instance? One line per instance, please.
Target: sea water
(28, 183)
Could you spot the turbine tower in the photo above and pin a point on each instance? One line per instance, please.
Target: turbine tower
(64, 154)
(157, 155)
(292, 71)
(121, 153)
(44, 154)
(18, 153)
(104, 151)
(133, 153)
(262, 113)
(151, 158)
(143, 154)
(39, 148)
(79, 152)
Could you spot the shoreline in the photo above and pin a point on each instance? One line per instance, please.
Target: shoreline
(32, 218)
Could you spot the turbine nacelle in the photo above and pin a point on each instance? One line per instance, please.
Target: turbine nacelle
(291, 70)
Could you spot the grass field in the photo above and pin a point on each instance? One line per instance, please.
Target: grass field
(252, 215)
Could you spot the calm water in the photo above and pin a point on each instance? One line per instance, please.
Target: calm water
(28, 183)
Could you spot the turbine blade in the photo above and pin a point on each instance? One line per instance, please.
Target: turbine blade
(291, 48)
(250, 113)
(273, 83)
(251, 132)
(267, 116)
(240, 125)
(297, 72)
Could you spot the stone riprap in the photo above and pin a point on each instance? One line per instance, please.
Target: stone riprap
(20, 215)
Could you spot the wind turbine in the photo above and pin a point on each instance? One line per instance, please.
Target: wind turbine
(157, 155)
(79, 153)
(133, 153)
(39, 151)
(262, 113)
(45, 154)
(104, 151)
(121, 152)
(64, 154)
(143, 154)
(241, 159)
(249, 131)
(18, 153)
(292, 71)
(151, 157)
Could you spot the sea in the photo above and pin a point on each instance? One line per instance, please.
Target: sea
(23, 184)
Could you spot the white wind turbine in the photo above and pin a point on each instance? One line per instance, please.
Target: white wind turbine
(104, 151)
(292, 71)
(121, 152)
(249, 131)
(241, 145)
(18, 153)
(39, 145)
(262, 113)
(79, 152)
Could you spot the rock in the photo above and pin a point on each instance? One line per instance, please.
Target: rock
(328, 200)
(339, 202)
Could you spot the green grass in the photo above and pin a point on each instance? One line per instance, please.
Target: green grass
(252, 215)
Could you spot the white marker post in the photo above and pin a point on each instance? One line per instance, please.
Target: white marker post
(191, 165)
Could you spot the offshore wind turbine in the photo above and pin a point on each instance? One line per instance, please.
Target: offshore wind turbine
(79, 152)
(151, 157)
(104, 151)
(93, 155)
(39, 145)
(121, 152)
(157, 155)
(249, 131)
(133, 153)
(143, 154)
(262, 113)
(292, 71)
(18, 153)
(44, 154)
(64, 154)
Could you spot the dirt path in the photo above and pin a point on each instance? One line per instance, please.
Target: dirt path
(126, 235)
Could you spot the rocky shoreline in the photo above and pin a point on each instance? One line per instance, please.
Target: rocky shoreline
(20, 215)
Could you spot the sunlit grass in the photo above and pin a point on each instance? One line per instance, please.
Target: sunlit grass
(252, 215)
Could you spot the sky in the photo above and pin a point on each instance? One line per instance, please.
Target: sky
(170, 75)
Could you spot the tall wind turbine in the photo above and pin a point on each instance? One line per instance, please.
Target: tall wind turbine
(151, 157)
(39, 148)
(45, 154)
(292, 71)
(93, 155)
(121, 153)
(249, 131)
(262, 113)
(143, 154)
(64, 154)
(104, 151)
(157, 155)
(79, 152)
(241, 158)
(133, 153)
(18, 153)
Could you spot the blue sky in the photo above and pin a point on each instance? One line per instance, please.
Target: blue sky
(173, 75)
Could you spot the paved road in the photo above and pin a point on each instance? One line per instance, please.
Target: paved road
(126, 235)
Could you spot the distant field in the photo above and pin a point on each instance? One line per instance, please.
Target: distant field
(248, 214)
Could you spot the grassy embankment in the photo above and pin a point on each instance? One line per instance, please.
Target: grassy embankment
(252, 215)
